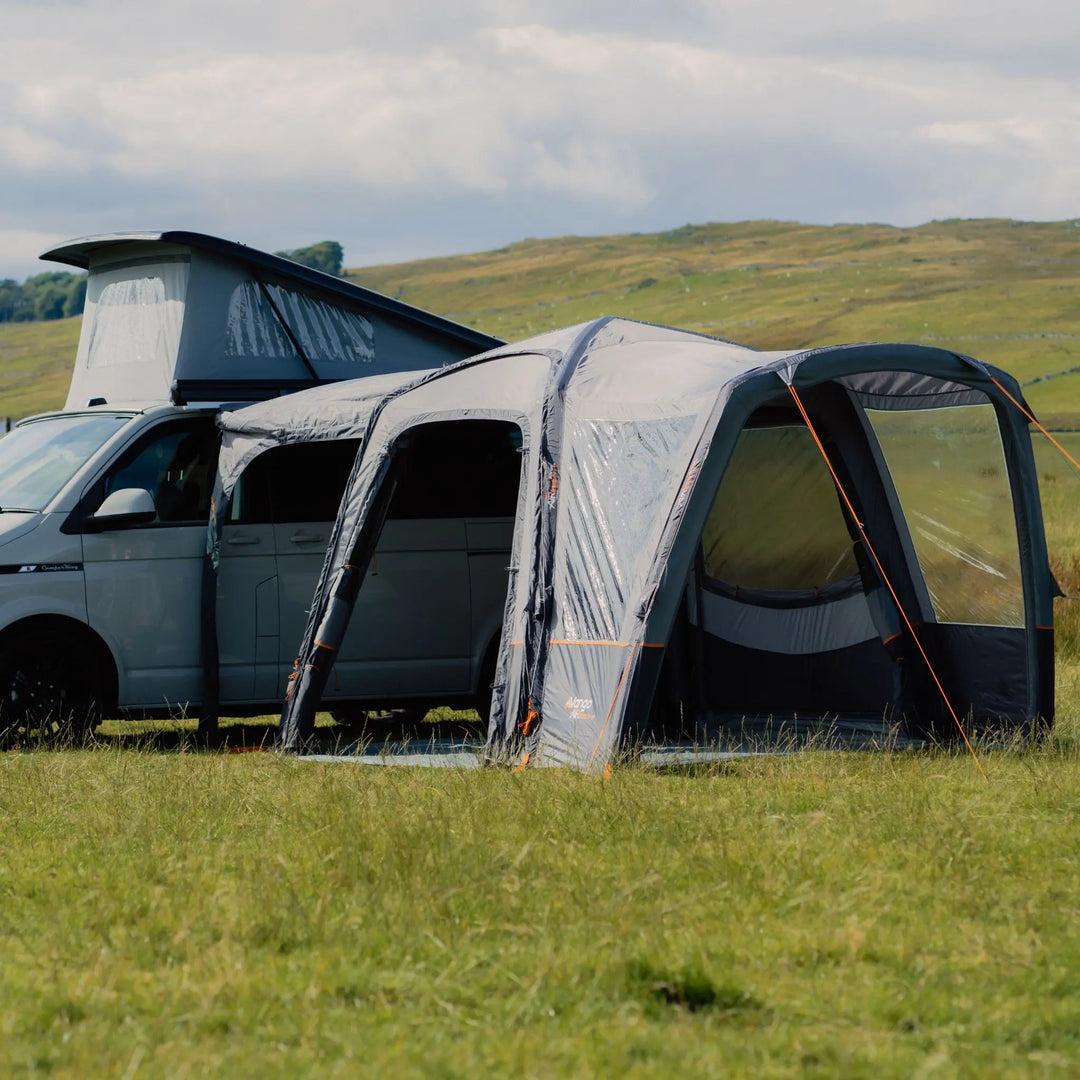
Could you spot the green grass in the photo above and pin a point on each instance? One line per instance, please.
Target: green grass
(824, 915)
(35, 365)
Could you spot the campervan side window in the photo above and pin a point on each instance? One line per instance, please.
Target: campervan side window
(776, 521)
(460, 469)
(451, 470)
(301, 482)
(176, 464)
(949, 470)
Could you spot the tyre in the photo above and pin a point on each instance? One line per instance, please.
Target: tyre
(349, 716)
(49, 686)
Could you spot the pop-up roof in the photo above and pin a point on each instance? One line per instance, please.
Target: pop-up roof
(180, 316)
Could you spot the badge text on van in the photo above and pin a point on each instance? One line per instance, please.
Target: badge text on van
(42, 568)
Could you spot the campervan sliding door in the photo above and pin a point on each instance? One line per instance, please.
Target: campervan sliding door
(409, 634)
(284, 507)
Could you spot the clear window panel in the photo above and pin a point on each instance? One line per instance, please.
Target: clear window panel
(949, 470)
(325, 332)
(252, 329)
(133, 319)
(776, 522)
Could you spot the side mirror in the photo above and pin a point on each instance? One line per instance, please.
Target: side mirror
(128, 506)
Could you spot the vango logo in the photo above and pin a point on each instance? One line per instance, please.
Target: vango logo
(579, 708)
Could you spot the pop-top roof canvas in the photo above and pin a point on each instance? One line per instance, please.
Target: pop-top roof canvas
(179, 316)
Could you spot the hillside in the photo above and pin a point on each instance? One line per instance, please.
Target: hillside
(1003, 291)
(35, 365)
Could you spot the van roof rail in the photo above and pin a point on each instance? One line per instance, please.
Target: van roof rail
(188, 391)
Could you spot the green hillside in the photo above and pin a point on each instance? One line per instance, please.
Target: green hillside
(35, 365)
(1007, 292)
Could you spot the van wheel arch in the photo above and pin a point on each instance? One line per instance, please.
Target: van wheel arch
(67, 642)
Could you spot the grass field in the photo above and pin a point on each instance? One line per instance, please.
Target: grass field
(35, 365)
(184, 914)
(826, 915)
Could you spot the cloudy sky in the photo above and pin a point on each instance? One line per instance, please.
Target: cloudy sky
(421, 127)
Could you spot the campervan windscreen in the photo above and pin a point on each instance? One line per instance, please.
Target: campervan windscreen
(38, 458)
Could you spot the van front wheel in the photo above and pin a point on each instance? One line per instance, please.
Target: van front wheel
(49, 686)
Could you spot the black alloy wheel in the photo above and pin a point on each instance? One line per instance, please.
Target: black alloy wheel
(49, 688)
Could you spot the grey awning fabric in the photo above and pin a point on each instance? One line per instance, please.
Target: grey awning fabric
(627, 428)
(894, 390)
(334, 411)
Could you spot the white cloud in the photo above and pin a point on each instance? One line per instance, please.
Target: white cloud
(417, 127)
(31, 151)
(21, 248)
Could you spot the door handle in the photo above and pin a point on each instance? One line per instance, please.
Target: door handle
(306, 538)
(241, 540)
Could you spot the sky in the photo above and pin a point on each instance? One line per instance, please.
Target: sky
(421, 127)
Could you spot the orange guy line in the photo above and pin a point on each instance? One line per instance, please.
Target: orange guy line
(1064, 452)
(885, 578)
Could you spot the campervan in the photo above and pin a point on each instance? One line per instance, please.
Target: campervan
(104, 504)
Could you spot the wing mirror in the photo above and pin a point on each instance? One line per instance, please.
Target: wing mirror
(128, 506)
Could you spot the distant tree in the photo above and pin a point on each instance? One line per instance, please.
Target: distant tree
(11, 300)
(327, 256)
(53, 295)
(76, 297)
(45, 295)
